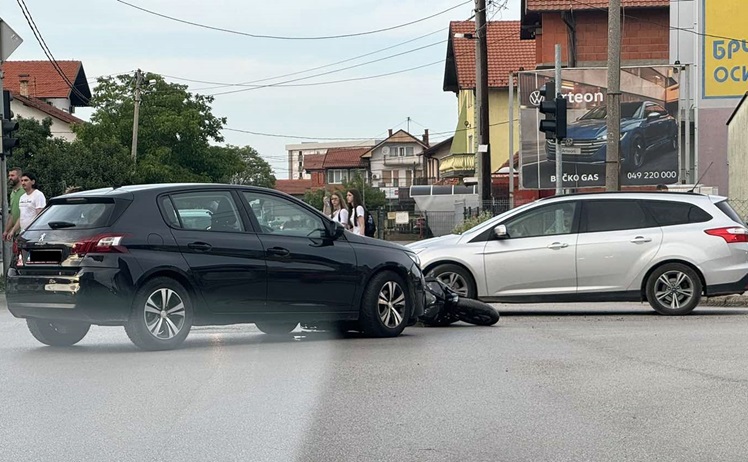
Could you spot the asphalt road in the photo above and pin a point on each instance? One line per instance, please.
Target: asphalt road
(547, 383)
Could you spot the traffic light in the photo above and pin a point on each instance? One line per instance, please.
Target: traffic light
(9, 126)
(554, 108)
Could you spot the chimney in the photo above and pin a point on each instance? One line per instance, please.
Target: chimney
(426, 137)
(390, 130)
(24, 81)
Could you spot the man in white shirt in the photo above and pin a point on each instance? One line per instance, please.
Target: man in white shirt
(31, 203)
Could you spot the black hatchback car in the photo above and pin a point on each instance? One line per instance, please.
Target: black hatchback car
(158, 259)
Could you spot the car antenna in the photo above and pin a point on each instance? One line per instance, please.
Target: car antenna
(701, 177)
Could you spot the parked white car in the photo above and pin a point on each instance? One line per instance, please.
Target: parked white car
(666, 248)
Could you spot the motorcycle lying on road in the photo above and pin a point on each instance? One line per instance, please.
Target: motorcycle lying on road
(444, 306)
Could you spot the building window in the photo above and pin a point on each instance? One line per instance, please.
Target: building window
(403, 151)
(337, 176)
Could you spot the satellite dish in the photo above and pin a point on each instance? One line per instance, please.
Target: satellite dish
(386, 150)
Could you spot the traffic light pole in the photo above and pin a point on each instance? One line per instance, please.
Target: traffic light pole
(559, 157)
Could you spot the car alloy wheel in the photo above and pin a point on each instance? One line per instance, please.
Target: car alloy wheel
(456, 277)
(674, 289)
(164, 314)
(161, 315)
(386, 305)
(391, 304)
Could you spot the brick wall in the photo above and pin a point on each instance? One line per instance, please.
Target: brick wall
(645, 37)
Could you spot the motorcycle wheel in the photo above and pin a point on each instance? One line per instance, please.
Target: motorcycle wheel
(476, 312)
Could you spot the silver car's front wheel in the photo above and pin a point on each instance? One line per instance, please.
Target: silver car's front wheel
(161, 315)
(457, 278)
(674, 289)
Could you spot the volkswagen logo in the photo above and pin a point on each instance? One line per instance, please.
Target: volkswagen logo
(536, 98)
(568, 142)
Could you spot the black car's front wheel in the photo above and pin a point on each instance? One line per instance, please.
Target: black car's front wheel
(636, 156)
(57, 333)
(161, 315)
(386, 305)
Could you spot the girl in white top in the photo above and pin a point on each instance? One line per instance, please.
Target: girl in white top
(357, 211)
(339, 209)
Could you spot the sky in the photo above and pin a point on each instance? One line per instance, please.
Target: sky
(112, 37)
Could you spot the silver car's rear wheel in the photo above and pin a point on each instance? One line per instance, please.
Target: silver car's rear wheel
(674, 289)
(457, 278)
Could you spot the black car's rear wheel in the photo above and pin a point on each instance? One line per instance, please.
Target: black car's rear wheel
(386, 306)
(161, 315)
(57, 333)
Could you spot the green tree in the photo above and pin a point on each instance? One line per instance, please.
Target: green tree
(373, 197)
(314, 197)
(176, 128)
(59, 164)
(251, 169)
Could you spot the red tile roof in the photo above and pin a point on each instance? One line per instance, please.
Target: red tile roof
(562, 5)
(506, 52)
(44, 81)
(345, 157)
(314, 161)
(293, 187)
(47, 109)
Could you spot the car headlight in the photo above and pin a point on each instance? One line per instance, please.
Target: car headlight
(605, 136)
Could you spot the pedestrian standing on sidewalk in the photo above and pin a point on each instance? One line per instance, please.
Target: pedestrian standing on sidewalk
(14, 181)
(30, 204)
(358, 213)
(340, 212)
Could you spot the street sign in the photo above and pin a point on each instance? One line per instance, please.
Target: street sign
(9, 40)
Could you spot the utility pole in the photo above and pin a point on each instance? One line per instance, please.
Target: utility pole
(511, 140)
(136, 115)
(559, 155)
(613, 158)
(483, 164)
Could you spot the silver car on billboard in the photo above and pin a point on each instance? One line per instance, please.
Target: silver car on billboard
(667, 248)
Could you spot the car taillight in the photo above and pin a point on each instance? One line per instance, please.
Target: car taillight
(730, 235)
(102, 243)
(17, 253)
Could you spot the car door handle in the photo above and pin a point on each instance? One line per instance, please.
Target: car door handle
(639, 239)
(199, 246)
(278, 251)
(558, 245)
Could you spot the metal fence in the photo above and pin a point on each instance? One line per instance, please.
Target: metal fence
(740, 206)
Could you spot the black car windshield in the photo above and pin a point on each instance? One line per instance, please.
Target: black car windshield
(78, 216)
(628, 111)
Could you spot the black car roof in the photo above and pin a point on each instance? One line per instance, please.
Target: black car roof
(157, 188)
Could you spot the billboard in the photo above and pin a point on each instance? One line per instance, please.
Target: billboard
(725, 55)
(649, 128)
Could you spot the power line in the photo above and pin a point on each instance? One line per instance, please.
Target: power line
(46, 50)
(225, 84)
(281, 37)
(276, 84)
(330, 82)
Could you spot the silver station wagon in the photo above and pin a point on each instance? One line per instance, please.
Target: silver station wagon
(667, 248)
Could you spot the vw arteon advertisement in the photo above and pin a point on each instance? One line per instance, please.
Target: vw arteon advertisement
(649, 135)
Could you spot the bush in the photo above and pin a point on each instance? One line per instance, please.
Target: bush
(472, 222)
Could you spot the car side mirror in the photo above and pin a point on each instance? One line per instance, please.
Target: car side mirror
(337, 230)
(500, 231)
(653, 115)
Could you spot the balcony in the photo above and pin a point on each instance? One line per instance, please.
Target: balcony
(457, 165)
(407, 161)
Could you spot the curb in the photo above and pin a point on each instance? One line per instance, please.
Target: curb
(727, 300)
